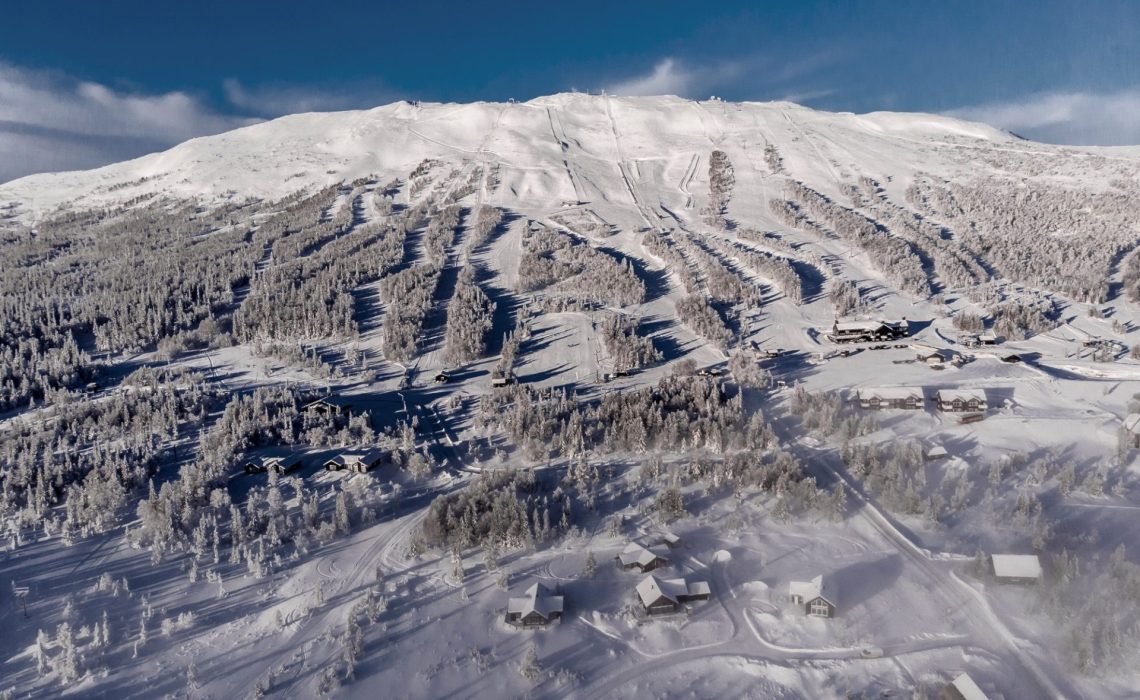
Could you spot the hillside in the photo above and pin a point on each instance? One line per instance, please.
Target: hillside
(559, 327)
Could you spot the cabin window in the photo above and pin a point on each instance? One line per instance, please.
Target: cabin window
(819, 608)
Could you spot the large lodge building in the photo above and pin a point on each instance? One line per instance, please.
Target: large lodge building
(867, 331)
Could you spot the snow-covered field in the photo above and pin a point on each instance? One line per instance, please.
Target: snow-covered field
(339, 589)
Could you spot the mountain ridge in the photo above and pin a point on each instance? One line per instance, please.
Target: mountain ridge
(291, 150)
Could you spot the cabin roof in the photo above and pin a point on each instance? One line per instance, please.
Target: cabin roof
(537, 598)
(634, 553)
(698, 588)
(810, 590)
(368, 457)
(650, 589)
(1016, 566)
(890, 393)
(853, 326)
(331, 400)
(274, 459)
(967, 688)
(1132, 423)
(961, 395)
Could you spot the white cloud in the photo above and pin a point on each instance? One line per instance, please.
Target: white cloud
(807, 96)
(670, 77)
(1078, 118)
(52, 122)
(759, 74)
(276, 100)
(666, 78)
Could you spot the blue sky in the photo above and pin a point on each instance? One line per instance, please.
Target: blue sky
(83, 83)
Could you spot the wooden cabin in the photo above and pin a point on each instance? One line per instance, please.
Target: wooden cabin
(635, 556)
(359, 462)
(661, 596)
(816, 597)
(280, 464)
(537, 607)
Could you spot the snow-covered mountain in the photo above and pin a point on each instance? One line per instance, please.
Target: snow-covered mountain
(530, 141)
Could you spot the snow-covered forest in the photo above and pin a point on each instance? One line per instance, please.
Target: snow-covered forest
(307, 408)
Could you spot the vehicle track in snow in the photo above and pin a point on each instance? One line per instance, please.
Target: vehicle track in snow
(687, 179)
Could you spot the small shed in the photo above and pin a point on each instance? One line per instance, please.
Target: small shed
(671, 540)
(988, 338)
(635, 556)
(816, 597)
(962, 688)
(936, 453)
(1016, 568)
(537, 607)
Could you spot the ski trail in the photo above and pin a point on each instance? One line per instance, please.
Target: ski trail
(559, 133)
(815, 147)
(634, 195)
(481, 196)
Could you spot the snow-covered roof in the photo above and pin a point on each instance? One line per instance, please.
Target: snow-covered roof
(1132, 423)
(967, 688)
(698, 588)
(926, 352)
(651, 588)
(346, 458)
(810, 590)
(961, 395)
(859, 325)
(274, 460)
(331, 400)
(670, 538)
(937, 451)
(890, 393)
(538, 598)
(1016, 566)
(634, 553)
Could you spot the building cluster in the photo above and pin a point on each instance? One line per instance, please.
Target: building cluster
(659, 595)
(912, 398)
